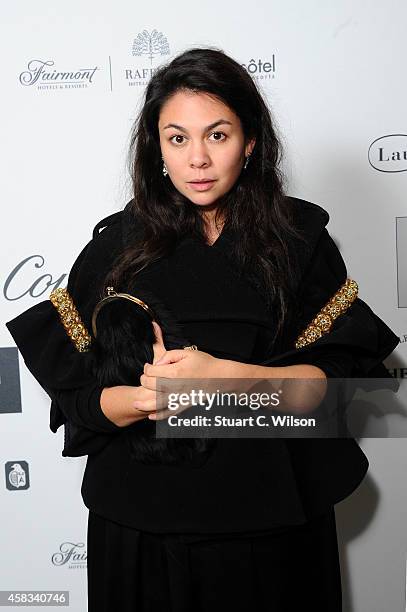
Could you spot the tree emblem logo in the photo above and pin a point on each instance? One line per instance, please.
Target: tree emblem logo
(150, 44)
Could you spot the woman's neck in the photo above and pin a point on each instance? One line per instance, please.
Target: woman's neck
(212, 229)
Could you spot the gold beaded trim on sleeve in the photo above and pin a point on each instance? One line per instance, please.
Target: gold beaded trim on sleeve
(323, 321)
(71, 319)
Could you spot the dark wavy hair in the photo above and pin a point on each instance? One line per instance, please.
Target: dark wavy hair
(256, 208)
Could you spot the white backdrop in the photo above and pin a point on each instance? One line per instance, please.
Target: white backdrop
(333, 73)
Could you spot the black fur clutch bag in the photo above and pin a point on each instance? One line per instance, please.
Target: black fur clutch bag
(123, 341)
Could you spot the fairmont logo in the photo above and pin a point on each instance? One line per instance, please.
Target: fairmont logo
(41, 74)
(70, 555)
(389, 153)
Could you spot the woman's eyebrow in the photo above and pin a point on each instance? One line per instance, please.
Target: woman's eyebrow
(208, 127)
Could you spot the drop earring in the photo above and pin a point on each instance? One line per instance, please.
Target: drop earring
(165, 171)
(247, 161)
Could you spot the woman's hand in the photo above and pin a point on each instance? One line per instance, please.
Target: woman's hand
(177, 364)
(181, 363)
(120, 404)
(125, 404)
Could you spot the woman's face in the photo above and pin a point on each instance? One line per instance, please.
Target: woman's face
(201, 138)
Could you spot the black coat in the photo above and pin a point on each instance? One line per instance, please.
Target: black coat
(246, 484)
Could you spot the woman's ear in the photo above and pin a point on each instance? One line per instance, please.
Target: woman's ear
(250, 146)
(158, 346)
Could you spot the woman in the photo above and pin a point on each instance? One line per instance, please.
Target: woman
(244, 268)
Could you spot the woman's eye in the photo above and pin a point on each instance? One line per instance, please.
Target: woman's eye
(177, 136)
(219, 136)
(178, 139)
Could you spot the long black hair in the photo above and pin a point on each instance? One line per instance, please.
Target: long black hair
(256, 207)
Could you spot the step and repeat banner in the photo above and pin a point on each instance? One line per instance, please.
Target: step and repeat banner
(72, 80)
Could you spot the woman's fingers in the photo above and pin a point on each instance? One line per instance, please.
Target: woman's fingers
(147, 400)
(148, 382)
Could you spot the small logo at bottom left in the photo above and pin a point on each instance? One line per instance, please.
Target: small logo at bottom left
(17, 475)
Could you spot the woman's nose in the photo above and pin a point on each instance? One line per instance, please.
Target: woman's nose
(198, 157)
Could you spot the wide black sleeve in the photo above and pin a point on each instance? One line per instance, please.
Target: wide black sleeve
(52, 358)
(86, 428)
(358, 340)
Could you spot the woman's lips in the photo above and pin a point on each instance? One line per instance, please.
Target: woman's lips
(202, 186)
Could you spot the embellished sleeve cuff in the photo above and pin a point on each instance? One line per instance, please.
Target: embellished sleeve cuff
(335, 330)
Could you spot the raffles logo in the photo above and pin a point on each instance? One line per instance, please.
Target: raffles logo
(71, 555)
(260, 69)
(389, 153)
(41, 74)
(148, 45)
(17, 475)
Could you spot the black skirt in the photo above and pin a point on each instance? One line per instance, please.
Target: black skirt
(283, 570)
